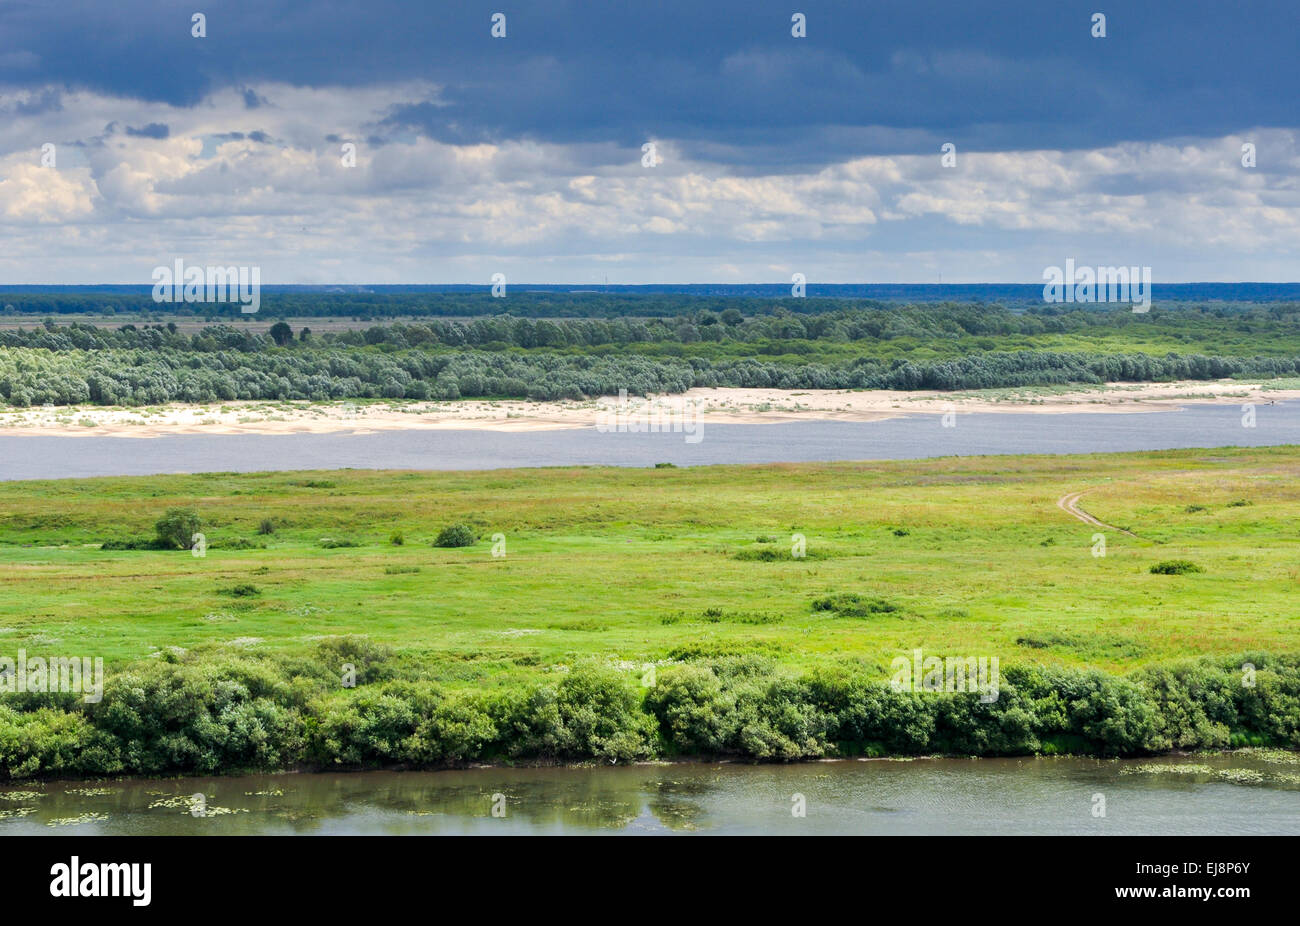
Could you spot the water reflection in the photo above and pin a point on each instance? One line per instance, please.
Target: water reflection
(1256, 792)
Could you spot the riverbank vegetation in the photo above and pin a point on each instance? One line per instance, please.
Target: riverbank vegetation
(217, 713)
(947, 346)
(625, 614)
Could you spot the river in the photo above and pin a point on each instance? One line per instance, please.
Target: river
(914, 437)
(1235, 794)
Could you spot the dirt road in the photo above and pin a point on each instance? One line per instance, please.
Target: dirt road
(1070, 505)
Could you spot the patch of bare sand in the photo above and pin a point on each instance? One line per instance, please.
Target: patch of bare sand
(716, 406)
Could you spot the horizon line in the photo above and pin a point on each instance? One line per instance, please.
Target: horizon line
(594, 287)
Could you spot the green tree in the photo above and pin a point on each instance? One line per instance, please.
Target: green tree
(281, 333)
(177, 527)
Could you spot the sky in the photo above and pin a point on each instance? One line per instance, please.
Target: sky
(127, 141)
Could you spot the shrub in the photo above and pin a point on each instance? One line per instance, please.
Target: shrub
(244, 590)
(762, 556)
(1195, 703)
(372, 662)
(456, 535)
(397, 539)
(377, 726)
(694, 713)
(177, 527)
(870, 716)
(137, 543)
(237, 543)
(595, 712)
(600, 714)
(1175, 567)
(205, 716)
(48, 742)
(740, 707)
(267, 526)
(854, 605)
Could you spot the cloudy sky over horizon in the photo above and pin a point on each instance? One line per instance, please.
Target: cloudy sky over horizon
(523, 154)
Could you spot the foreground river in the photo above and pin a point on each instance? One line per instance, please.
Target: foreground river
(1254, 793)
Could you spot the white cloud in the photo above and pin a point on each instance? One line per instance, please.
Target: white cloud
(419, 210)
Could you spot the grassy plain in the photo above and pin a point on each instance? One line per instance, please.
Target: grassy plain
(656, 565)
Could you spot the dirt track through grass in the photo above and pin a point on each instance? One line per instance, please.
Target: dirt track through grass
(1070, 505)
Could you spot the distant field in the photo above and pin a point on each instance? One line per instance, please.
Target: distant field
(962, 556)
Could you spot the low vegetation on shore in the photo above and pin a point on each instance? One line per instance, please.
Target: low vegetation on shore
(614, 614)
(214, 713)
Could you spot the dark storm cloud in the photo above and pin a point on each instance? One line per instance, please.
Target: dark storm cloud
(722, 77)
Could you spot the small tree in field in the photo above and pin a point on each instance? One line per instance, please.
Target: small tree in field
(177, 527)
(456, 535)
(281, 333)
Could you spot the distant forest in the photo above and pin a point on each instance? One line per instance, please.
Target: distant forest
(395, 302)
(849, 346)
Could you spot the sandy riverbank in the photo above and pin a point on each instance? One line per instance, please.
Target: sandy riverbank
(716, 406)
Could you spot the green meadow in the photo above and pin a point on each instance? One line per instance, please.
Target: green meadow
(956, 556)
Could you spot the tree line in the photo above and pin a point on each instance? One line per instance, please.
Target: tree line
(905, 348)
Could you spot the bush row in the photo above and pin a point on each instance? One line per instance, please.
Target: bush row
(205, 713)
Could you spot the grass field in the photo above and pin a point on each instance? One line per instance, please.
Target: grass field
(973, 556)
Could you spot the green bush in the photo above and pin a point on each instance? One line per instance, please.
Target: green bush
(138, 543)
(1195, 703)
(1175, 567)
(372, 662)
(378, 726)
(49, 742)
(177, 527)
(243, 590)
(595, 712)
(456, 535)
(237, 543)
(201, 717)
(854, 605)
(871, 717)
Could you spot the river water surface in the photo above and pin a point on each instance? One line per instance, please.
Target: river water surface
(1239, 794)
(913, 437)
